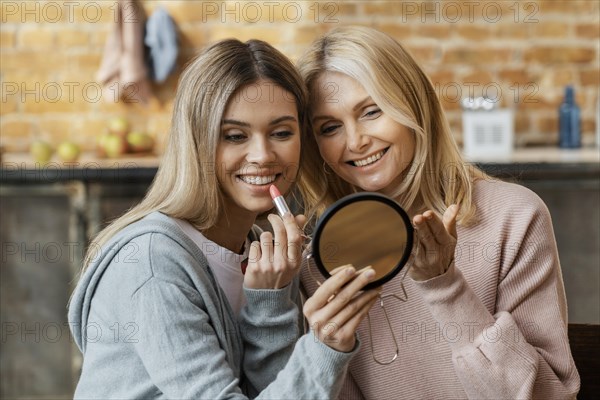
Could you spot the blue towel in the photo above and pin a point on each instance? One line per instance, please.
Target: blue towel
(161, 39)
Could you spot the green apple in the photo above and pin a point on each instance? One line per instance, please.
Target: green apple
(118, 126)
(41, 151)
(115, 146)
(101, 144)
(68, 151)
(140, 142)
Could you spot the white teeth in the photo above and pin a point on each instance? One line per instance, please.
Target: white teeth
(258, 180)
(369, 160)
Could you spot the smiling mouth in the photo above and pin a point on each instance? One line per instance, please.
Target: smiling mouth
(258, 180)
(368, 160)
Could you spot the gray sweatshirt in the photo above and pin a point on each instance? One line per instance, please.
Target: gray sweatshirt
(152, 322)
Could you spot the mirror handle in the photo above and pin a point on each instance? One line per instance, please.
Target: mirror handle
(391, 332)
(404, 297)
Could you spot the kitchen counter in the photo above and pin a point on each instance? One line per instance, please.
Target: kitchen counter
(526, 163)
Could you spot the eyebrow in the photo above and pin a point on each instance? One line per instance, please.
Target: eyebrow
(247, 125)
(356, 107)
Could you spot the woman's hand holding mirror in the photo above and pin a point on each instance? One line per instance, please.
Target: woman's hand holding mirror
(339, 305)
(436, 244)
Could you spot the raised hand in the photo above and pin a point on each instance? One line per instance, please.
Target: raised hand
(436, 243)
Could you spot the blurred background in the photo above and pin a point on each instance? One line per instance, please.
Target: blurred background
(70, 162)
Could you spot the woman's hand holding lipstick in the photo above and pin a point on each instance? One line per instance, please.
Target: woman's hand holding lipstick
(275, 260)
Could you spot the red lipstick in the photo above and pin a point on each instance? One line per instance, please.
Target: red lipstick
(279, 201)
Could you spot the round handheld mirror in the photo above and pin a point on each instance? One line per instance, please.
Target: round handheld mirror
(363, 229)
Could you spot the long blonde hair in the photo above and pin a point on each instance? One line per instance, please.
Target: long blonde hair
(437, 175)
(185, 185)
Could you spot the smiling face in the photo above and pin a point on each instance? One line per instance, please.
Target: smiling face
(259, 146)
(363, 145)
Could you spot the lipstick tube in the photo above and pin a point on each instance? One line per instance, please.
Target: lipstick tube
(279, 201)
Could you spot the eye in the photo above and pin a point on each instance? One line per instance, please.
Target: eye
(234, 137)
(328, 129)
(282, 135)
(372, 112)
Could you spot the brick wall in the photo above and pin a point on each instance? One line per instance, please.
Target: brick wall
(521, 53)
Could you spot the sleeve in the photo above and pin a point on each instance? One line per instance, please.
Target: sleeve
(183, 356)
(522, 351)
(269, 329)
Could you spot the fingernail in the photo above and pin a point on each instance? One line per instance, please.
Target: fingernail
(350, 271)
(370, 273)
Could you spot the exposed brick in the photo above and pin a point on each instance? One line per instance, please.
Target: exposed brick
(474, 32)
(477, 56)
(532, 51)
(7, 39)
(511, 76)
(8, 105)
(36, 38)
(437, 31)
(347, 9)
(72, 37)
(397, 31)
(61, 129)
(386, 8)
(478, 77)
(551, 29)
(588, 126)
(588, 31)
(557, 77)
(192, 37)
(539, 100)
(563, 7)
(98, 38)
(548, 124)
(268, 34)
(47, 104)
(512, 31)
(85, 60)
(27, 60)
(522, 122)
(14, 128)
(307, 34)
(564, 54)
(590, 77)
(93, 13)
(440, 78)
(423, 54)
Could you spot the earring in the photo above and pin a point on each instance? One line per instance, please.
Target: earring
(325, 168)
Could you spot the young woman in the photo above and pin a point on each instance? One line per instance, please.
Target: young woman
(486, 311)
(165, 309)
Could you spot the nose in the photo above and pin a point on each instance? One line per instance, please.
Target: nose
(356, 139)
(260, 151)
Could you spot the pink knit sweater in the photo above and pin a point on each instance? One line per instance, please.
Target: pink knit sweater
(493, 326)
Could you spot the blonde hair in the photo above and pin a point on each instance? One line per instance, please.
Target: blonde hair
(437, 175)
(185, 185)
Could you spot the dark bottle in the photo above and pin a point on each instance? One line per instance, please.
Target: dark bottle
(569, 129)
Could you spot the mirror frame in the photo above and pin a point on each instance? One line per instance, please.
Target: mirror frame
(353, 198)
